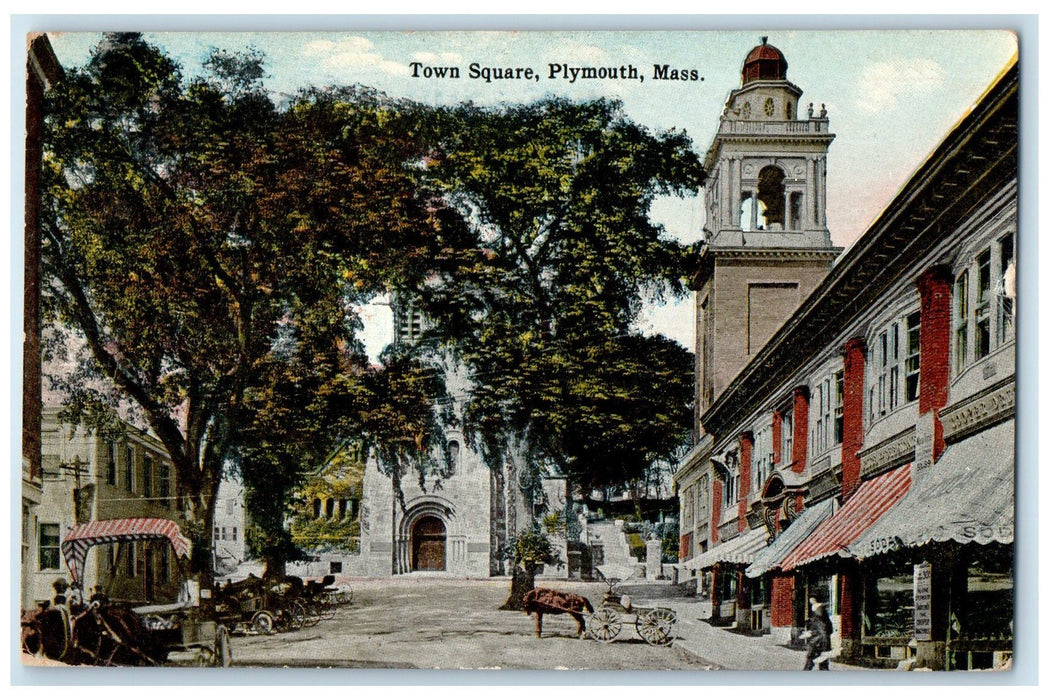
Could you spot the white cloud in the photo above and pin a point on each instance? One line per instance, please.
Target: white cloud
(885, 84)
(351, 53)
(443, 58)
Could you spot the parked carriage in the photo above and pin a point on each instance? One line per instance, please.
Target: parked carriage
(653, 624)
(76, 629)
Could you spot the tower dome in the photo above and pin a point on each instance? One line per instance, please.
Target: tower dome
(764, 62)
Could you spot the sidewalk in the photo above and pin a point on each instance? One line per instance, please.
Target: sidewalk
(726, 649)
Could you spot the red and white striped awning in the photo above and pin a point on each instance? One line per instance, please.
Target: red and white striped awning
(834, 535)
(83, 537)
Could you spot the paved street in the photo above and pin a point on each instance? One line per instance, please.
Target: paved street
(420, 621)
(424, 622)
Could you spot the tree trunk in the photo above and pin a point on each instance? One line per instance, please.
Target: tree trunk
(523, 581)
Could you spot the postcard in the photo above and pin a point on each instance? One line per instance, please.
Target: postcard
(624, 350)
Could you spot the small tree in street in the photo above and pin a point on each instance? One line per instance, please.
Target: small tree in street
(528, 551)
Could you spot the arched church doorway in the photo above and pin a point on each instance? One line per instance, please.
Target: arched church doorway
(428, 544)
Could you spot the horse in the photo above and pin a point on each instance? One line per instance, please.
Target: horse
(546, 600)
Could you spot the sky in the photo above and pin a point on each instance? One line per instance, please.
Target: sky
(891, 96)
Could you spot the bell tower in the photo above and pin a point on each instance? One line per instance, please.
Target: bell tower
(766, 241)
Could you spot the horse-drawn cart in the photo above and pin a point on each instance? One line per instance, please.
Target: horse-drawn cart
(653, 624)
(76, 629)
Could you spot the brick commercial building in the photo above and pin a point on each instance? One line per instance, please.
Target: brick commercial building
(864, 454)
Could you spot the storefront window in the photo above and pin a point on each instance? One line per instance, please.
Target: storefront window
(888, 609)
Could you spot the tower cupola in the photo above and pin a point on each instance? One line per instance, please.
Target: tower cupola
(764, 62)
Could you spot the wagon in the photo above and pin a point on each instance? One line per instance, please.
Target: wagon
(652, 624)
(76, 629)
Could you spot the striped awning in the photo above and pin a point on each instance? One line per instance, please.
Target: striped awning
(870, 502)
(80, 539)
(967, 496)
(739, 550)
(807, 521)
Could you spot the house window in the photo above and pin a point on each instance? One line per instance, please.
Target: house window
(147, 477)
(129, 559)
(731, 493)
(787, 437)
(984, 310)
(894, 366)
(111, 464)
(912, 364)
(335, 567)
(217, 531)
(839, 406)
(129, 468)
(165, 563)
(233, 534)
(1004, 290)
(762, 456)
(47, 547)
(961, 320)
(165, 480)
(828, 404)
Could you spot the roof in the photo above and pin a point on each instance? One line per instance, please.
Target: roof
(764, 62)
(967, 496)
(83, 537)
(790, 538)
(834, 535)
(738, 550)
(975, 160)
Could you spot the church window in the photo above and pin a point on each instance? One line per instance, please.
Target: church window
(329, 507)
(316, 508)
(770, 107)
(453, 455)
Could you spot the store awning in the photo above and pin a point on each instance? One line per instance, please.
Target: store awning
(80, 539)
(834, 535)
(967, 496)
(789, 539)
(738, 550)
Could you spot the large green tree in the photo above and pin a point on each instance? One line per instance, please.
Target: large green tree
(542, 304)
(206, 245)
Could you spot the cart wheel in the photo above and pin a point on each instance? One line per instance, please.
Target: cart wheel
(655, 626)
(262, 622)
(296, 615)
(223, 655)
(603, 625)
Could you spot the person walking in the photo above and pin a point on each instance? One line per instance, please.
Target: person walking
(817, 637)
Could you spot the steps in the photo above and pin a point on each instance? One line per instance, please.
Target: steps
(609, 535)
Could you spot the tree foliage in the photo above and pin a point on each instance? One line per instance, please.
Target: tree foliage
(206, 244)
(542, 303)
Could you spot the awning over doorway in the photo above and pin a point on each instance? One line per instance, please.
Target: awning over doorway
(967, 496)
(870, 502)
(789, 539)
(738, 550)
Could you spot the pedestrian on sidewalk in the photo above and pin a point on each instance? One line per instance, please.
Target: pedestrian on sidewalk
(817, 637)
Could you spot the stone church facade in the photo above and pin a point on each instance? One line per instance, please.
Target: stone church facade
(456, 523)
